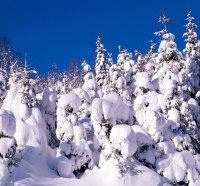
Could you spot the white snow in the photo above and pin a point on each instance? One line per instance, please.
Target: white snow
(4, 174)
(142, 137)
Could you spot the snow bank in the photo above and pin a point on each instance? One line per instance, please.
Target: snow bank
(4, 174)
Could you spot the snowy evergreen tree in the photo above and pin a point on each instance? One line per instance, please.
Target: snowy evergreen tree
(141, 62)
(90, 84)
(8, 145)
(104, 120)
(125, 81)
(74, 155)
(53, 76)
(65, 85)
(192, 62)
(27, 87)
(48, 103)
(85, 93)
(150, 59)
(74, 74)
(3, 85)
(101, 68)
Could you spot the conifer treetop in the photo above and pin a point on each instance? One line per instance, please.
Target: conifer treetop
(164, 21)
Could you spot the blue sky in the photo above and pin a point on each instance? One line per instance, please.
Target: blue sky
(59, 30)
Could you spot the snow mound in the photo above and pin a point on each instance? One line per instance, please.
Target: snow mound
(4, 174)
(65, 167)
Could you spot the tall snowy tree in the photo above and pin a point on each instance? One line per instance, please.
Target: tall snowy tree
(192, 52)
(90, 84)
(8, 145)
(27, 87)
(53, 76)
(74, 155)
(74, 74)
(101, 68)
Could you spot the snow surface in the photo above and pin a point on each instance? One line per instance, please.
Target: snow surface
(33, 171)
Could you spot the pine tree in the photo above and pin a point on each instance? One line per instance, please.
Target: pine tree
(27, 86)
(65, 84)
(3, 85)
(74, 75)
(123, 76)
(192, 52)
(163, 112)
(53, 76)
(101, 68)
(150, 59)
(48, 108)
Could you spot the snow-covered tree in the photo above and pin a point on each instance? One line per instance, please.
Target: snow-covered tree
(8, 145)
(48, 103)
(192, 61)
(150, 59)
(65, 85)
(27, 87)
(106, 113)
(21, 102)
(74, 74)
(3, 85)
(90, 84)
(53, 76)
(101, 68)
(123, 145)
(125, 72)
(74, 155)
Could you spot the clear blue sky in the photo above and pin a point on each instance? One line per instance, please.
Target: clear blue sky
(57, 30)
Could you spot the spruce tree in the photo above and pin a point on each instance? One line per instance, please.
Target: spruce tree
(192, 52)
(101, 68)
